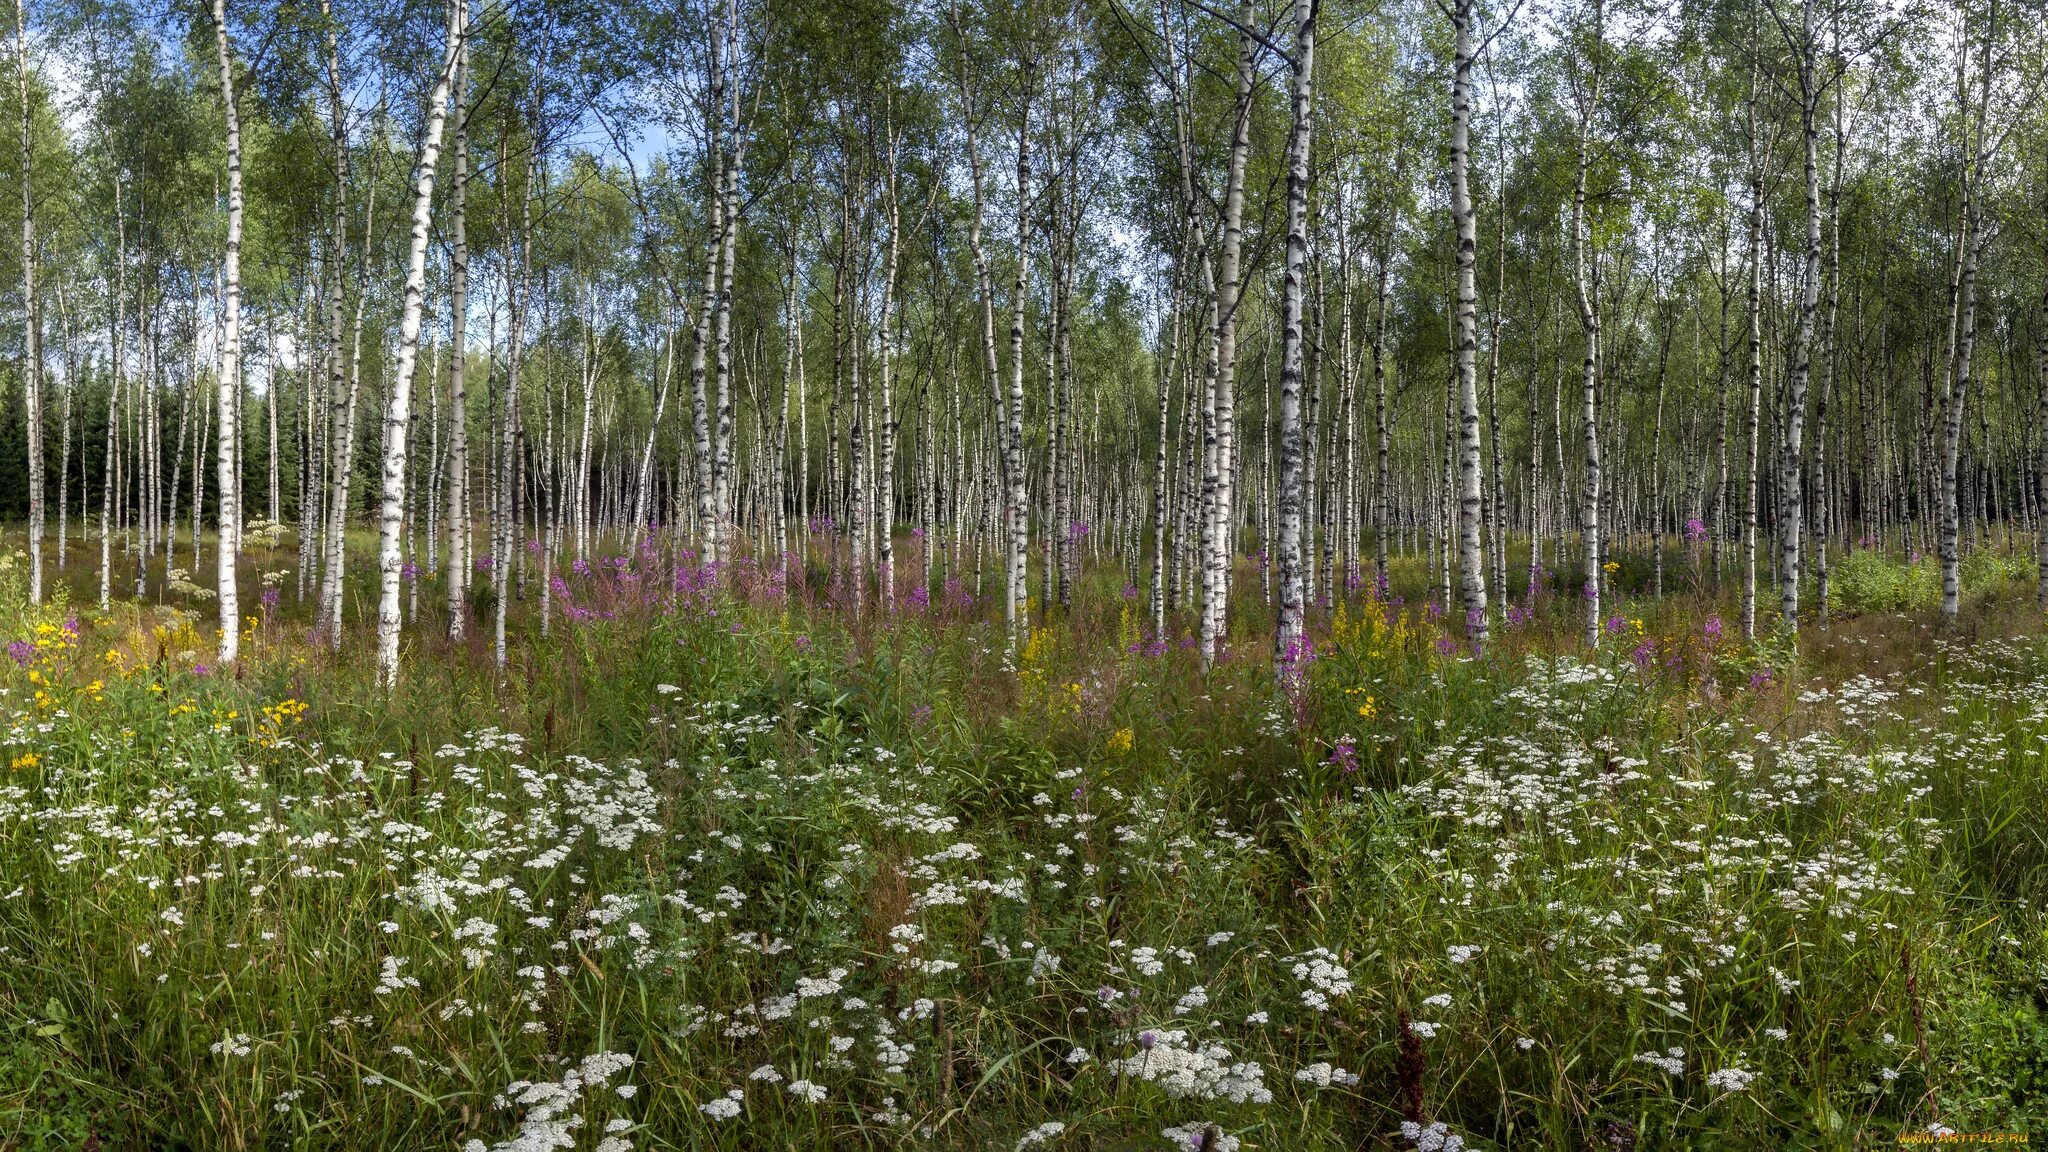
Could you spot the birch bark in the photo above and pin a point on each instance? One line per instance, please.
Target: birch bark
(230, 349)
(398, 406)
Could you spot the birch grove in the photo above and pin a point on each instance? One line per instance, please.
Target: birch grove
(1023, 308)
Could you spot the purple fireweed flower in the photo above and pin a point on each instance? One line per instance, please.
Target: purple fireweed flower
(23, 652)
(1445, 646)
(1695, 529)
(1616, 625)
(270, 597)
(1344, 755)
(1299, 651)
(1711, 631)
(1130, 591)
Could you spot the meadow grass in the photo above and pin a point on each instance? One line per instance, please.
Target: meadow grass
(719, 865)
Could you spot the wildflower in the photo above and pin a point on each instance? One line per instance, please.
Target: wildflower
(1325, 978)
(1041, 1134)
(1671, 1061)
(1436, 1137)
(1322, 1075)
(723, 1107)
(1183, 1069)
(1344, 755)
(1120, 741)
(805, 1090)
(1200, 1136)
(1730, 1079)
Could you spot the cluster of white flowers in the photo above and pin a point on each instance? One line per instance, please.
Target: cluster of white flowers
(1730, 1079)
(1436, 1137)
(554, 1107)
(1043, 1134)
(1201, 1136)
(1671, 1060)
(1184, 1069)
(1322, 1075)
(1325, 979)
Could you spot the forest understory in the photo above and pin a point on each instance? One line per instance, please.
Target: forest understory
(717, 862)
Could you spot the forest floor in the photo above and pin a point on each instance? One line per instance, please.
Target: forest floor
(712, 866)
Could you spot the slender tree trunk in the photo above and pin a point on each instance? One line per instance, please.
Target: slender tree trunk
(1791, 498)
(458, 514)
(398, 407)
(230, 350)
(885, 423)
(32, 352)
(1585, 282)
(1220, 467)
(1016, 614)
(1288, 636)
(1471, 562)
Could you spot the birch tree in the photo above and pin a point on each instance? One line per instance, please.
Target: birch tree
(398, 406)
(1288, 635)
(230, 350)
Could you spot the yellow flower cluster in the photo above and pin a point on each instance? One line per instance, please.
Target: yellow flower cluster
(1121, 740)
(1370, 708)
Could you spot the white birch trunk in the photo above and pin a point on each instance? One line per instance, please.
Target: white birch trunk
(1471, 562)
(398, 405)
(1287, 637)
(230, 349)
